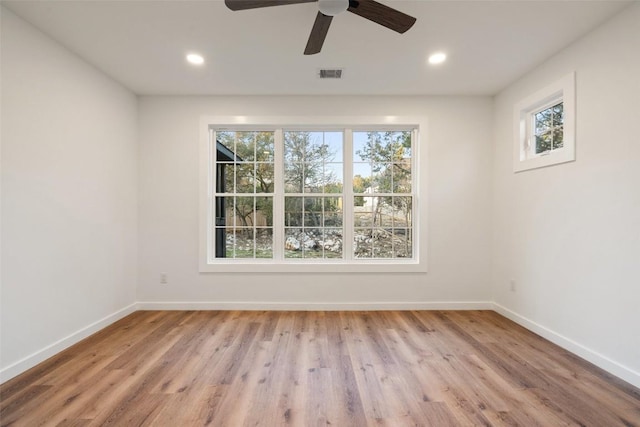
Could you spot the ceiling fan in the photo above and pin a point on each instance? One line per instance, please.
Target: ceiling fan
(369, 9)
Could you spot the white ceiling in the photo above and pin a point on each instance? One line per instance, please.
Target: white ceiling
(142, 44)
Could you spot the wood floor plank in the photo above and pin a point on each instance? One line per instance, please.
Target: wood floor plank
(265, 368)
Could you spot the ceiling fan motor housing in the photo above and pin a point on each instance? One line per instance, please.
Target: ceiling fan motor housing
(332, 7)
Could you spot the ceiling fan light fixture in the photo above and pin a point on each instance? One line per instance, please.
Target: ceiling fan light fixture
(332, 7)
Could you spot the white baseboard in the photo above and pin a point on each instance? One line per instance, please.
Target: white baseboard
(611, 366)
(316, 306)
(41, 355)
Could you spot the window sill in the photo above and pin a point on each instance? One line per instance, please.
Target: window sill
(552, 158)
(269, 266)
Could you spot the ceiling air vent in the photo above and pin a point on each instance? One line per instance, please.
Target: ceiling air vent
(334, 73)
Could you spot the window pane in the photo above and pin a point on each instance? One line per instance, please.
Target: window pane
(225, 144)
(245, 146)
(303, 243)
(292, 243)
(400, 146)
(333, 147)
(558, 115)
(264, 177)
(221, 211)
(314, 177)
(385, 217)
(359, 201)
(543, 142)
(332, 243)
(264, 243)
(558, 138)
(382, 243)
(362, 177)
(542, 121)
(359, 147)
(245, 211)
(312, 211)
(382, 177)
(406, 145)
(309, 242)
(294, 146)
(402, 177)
(230, 211)
(402, 212)
(378, 147)
(362, 243)
(264, 211)
(244, 178)
(363, 211)
(315, 148)
(402, 246)
(244, 243)
(293, 211)
(333, 212)
(264, 146)
(224, 177)
(227, 138)
(381, 207)
(293, 177)
(229, 243)
(381, 180)
(334, 178)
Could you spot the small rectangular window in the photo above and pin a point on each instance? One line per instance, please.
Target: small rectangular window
(545, 126)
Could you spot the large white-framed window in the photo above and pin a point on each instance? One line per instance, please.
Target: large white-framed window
(544, 126)
(311, 194)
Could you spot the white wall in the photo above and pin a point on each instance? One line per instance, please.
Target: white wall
(458, 202)
(69, 197)
(570, 234)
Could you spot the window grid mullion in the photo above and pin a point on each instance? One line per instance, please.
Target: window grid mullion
(211, 191)
(415, 190)
(347, 196)
(278, 196)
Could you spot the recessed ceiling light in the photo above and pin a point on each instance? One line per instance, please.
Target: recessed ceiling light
(195, 59)
(437, 58)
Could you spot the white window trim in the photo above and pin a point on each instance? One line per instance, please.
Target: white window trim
(415, 265)
(563, 91)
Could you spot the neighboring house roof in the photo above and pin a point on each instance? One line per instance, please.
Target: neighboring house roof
(225, 154)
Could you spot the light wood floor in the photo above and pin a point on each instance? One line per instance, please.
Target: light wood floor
(411, 368)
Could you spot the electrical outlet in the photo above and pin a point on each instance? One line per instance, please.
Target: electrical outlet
(512, 285)
(163, 278)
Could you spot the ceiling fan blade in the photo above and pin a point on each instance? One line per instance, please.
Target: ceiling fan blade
(381, 14)
(254, 4)
(318, 34)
